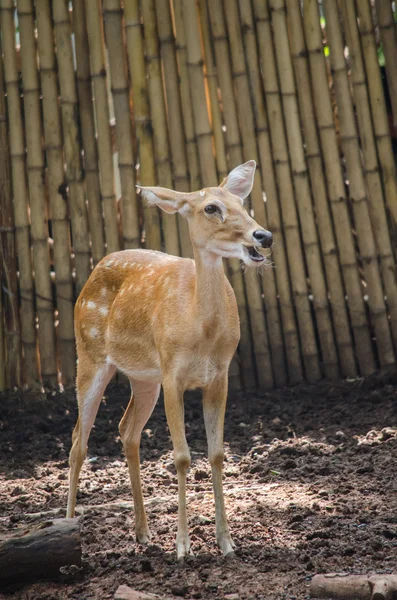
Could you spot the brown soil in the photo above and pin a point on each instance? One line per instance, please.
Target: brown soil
(310, 483)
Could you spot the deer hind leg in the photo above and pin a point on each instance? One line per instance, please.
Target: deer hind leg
(214, 405)
(143, 400)
(92, 380)
(174, 408)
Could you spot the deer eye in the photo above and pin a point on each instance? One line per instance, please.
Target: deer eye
(210, 209)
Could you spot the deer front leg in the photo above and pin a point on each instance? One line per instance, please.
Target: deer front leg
(174, 409)
(214, 405)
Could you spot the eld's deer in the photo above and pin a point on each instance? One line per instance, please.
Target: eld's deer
(163, 320)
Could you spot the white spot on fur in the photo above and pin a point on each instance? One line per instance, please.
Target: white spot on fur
(103, 310)
(104, 292)
(93, 332)
(109, 263)
(202, 193)
(91, 304)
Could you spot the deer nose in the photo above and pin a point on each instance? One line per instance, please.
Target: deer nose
(264, 237)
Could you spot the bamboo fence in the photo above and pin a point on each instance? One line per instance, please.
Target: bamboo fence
(99, 95)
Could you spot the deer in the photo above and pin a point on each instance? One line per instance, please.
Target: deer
(173, 322)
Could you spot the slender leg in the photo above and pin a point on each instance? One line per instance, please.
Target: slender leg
(174, 409)
(214, 405)
(143, 400)
(92, 380)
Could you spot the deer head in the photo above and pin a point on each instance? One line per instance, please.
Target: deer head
(218, 221)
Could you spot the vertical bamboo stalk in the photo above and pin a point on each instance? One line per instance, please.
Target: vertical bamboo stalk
(387, 28)
(212, 86)
(8, 257)
(371, 167)
(37, 193)
(143, 122)
(2, 345)
(71, 125)
(21, 211)
(175, 117)
(8, 278)
(324, 221)
(87, 124)
(358, 192)
(158, 113)
(255, 303)
(235, 151)
(286, 192)
(377, 100)
(105, 151)
(233, 266)
(303, 195)
(187, 108)
(276, 284)
(198, 96)
(121, 102)
(56, 187)
(336, 187)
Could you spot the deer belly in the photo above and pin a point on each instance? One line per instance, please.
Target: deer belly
(138, 362)
(200, 373)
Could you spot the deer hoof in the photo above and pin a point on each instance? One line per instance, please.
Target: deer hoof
(183, 548)
(143, 538)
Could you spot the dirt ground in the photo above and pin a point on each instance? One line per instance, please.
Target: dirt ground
(310, 484)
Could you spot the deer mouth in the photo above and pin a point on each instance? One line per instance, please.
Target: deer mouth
(254, 254)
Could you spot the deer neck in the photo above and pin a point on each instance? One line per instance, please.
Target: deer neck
(210, 297)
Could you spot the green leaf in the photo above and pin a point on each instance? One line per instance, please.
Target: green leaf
(381, 56)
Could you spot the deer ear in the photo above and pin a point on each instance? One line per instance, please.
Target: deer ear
(240, 181)
(168, 200)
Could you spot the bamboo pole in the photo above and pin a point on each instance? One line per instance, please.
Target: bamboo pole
(124, 135)
(56, 187)
(72, 149)
(2, 344)
(159, 119)
(378, 107)
(210, 77)
(276, 283)
(303, 195)
(371, 167)
(336, 188)
(19, 322)
(286, 192)
(235, 151)
(8, 277)
(318, 184)
(254, 295)
(21, 211)
(233, 266)
(87, 124)
(143, 121)
(357, 189)
(8, 257)
(387, 29)
(187, 107)
(175, 117)
(105, 151)
(37, 193)
(198, 96)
